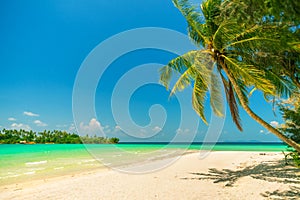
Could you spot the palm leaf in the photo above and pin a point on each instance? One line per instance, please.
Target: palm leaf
(249, 40)
(216, 98)
(250, 75)
(178, 65)
(234, 111)
(198, 97)
(195, 21)
(284, 88)
(184, 80)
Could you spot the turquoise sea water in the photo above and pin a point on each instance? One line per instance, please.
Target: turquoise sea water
(26, 162)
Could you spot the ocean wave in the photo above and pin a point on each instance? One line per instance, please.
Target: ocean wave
(37, 163)
(86, 161)
(29, 173)
(89, 160)
(10, 176)
(58, 168)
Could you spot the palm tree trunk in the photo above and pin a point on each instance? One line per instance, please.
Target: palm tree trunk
(245, 106)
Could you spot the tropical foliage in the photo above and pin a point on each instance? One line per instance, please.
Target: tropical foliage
(291, 113)
(57, 137)
(99, 140)
(292, 122)
(243, 46)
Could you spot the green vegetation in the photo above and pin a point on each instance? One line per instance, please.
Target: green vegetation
(57, 137)
(245, 45)
(291, 115)
(99, 140)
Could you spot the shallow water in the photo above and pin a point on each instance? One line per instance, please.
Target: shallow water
(27, 162)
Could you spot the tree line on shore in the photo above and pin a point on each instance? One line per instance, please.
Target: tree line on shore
(56, 136)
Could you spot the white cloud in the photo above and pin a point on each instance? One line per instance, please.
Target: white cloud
(30, 114)
(178, 131)
(182, 131)
(93, 127)
(39, 123)
(156, 129)
(72, 127)
(12, 119)
(108, 129)
(143, 132)
(20, 126)
(116, 129)
(274, 123)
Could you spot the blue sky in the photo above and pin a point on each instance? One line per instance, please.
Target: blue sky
(43, 46)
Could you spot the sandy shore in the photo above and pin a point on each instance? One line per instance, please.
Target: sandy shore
(221, 175)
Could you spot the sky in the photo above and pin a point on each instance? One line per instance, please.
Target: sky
(46, 46)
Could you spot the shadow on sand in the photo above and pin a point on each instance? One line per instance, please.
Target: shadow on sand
(293, 194)
(273, 171)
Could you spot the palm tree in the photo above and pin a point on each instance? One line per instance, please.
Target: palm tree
(246, 57)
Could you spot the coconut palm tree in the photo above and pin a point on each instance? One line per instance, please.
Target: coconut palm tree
(246, 57)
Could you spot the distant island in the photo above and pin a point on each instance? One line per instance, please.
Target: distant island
(50, 137)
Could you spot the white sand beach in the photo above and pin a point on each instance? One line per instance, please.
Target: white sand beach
(221, 175)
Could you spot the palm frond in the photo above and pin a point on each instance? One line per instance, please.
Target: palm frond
(224, 33)
(248, 40)
(250, 75)
(211, 11)
(234, 110)
(198, 97)
(184, 80)
(200, 65)
(216, 98)
(252, 91)
(283, 87)
(245, 92)
(195, 21)
(178, 65)
(245, 32)
(166, 74)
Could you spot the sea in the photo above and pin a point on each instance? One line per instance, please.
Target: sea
(19, 162)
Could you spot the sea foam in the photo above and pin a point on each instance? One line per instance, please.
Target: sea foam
(36, 163)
